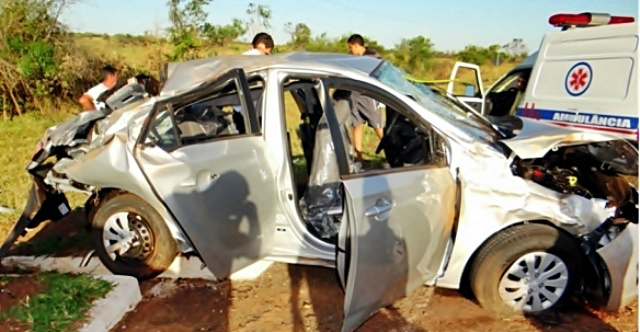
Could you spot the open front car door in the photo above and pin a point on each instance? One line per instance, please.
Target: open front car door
(397, 222)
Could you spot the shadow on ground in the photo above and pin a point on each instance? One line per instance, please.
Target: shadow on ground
(66, 237)
(305, 298)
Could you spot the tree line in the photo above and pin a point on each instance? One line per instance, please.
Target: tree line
(41, 65)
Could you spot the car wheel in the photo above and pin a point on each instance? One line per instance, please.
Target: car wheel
(131, 238)
(527, 269)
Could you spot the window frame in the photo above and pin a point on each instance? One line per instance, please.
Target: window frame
(250, 115)
(388, 99)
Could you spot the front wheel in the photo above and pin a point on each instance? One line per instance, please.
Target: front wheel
(131, 238)
(528, 269)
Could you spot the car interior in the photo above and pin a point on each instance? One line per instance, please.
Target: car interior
(217, 116)
(197, 119)
(312, 154)
(316, 175)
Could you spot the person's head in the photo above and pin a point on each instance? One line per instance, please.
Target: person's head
(263, 42)
(521, 85)
(109, 76)
(356, 44)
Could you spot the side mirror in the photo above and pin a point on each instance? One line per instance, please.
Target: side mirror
(469, 90)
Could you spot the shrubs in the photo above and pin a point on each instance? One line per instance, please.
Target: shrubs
(43, 65)
(40, 64)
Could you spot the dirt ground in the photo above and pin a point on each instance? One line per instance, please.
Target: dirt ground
(303, 299)
(293, 298)
(13, 293)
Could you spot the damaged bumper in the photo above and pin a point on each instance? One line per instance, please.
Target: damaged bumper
(43, 203)
(620, 260)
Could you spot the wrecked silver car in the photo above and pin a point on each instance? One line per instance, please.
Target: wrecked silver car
(523, 214)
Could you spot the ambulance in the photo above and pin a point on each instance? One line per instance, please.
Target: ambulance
(583, 76)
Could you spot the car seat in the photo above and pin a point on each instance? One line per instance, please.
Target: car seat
(322, 204)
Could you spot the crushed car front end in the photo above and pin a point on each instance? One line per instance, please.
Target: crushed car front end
(582, 184)
(599, 168)
(91, 153)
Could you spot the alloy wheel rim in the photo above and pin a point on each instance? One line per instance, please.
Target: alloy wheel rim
(534, 282)
(127, 235)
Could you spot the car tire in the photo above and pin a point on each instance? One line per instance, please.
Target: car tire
(502, 283)
(147, 248)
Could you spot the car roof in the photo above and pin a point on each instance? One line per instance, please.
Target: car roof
(182, 76)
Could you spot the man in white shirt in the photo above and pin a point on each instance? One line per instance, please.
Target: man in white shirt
(89, 100)
(262, 44)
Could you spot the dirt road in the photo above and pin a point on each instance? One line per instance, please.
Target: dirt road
(296, 298)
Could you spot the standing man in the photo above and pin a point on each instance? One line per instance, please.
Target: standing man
(89, 100)
(262, 44)
(365, 108)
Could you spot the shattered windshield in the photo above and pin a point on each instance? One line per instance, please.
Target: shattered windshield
(447, 109)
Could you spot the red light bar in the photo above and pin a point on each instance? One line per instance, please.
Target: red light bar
(621, 19)
(587, 19)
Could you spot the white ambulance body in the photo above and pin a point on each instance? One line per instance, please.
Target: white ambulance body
(585, 76)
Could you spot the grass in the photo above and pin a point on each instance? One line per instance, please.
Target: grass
(18, 140)
(292, 119)
(66, 301)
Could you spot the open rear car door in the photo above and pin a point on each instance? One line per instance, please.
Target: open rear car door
(211, 175)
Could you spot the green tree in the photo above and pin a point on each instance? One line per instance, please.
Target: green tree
(188, 18)
(473, 54)
(301, 36)
(516, 48)
(34, 43)
(414, 54)
(223, 35)
(480, 55)
(323, 43)
(259, 17)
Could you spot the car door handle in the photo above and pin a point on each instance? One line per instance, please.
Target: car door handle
(382, 206)
(201, 179)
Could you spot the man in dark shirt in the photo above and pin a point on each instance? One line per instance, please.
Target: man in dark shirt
(365, 108)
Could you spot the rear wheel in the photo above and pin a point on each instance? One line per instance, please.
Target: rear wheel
(131, 238)
(527, 269)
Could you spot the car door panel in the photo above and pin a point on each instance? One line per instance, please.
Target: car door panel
(217, 191)
(399, 225)
(475, 101)
(397, 222)
(221, 189)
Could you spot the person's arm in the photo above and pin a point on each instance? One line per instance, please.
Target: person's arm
(87, 102)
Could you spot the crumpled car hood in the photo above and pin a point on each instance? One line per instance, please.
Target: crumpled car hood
(534, 138)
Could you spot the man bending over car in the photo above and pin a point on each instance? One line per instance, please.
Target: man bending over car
(365, 108)
(90, 99)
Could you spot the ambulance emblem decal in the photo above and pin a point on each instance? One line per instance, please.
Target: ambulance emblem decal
(578, 79)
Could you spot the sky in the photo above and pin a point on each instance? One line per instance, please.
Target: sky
(449, 24)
